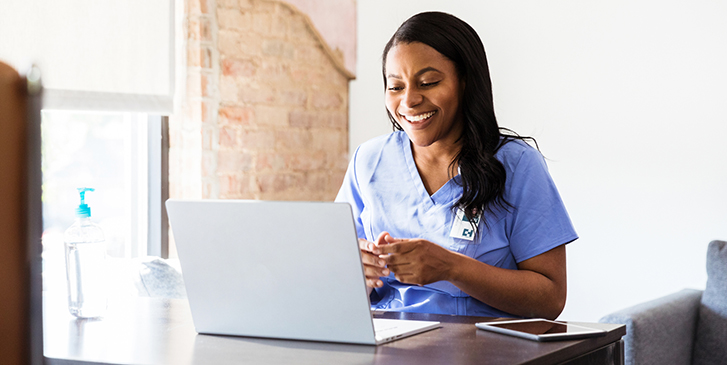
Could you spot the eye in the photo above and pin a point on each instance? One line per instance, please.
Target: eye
(395, 88)
(429, 84)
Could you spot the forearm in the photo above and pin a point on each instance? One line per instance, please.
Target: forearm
(521, 292)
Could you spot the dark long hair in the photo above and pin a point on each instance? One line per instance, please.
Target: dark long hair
(483, 176)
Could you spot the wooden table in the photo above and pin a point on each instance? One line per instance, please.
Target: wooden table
(160, 331)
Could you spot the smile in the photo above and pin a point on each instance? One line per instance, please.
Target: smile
(418, 118)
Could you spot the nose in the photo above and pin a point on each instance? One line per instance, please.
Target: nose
(411, 98)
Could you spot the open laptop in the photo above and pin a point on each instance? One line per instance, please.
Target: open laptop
(288, 270)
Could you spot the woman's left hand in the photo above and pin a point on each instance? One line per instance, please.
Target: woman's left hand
(416, 261)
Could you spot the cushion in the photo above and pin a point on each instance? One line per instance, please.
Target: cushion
(710, 346)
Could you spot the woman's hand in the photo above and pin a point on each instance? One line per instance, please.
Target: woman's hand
(374, 266)
(416, 261)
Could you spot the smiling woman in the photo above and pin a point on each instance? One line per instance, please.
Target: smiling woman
(422, 96)
(454, 214)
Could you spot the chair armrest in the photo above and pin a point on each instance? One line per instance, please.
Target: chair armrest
(660, 331)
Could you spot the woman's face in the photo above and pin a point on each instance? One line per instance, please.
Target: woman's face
(423, 94)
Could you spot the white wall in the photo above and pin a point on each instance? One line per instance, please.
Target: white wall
(627, 99)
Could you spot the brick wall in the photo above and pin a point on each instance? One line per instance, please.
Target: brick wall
(265, 114)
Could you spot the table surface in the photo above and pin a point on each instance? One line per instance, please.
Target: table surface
(160, 331)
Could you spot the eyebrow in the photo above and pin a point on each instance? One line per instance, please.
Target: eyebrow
(420, 72)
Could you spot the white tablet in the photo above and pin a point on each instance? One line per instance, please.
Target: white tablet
(540, 329)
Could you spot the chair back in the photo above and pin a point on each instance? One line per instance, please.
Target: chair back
(20, 219)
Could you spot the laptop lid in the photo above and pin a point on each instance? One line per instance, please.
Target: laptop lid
(272, 269)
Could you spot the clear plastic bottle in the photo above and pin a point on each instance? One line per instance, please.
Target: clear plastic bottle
(86, 264)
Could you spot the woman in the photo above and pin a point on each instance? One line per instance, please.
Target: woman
(453, 216)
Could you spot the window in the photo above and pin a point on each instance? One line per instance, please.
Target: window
(120, 156)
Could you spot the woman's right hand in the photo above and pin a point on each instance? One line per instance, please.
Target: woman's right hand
(374, 266)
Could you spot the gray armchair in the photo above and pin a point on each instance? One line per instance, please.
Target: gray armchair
(687, 327)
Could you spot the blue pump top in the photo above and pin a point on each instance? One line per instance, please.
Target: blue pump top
(83, 210)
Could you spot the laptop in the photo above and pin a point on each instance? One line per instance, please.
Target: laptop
(287, 270)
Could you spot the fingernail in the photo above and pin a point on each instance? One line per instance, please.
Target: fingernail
(379, 283)
(382, 262)
(386, 272)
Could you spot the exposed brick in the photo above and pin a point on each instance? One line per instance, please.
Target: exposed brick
(209, 163)
(338, 120)
(197, 7)
(209, 112)
(334, 183)
(266, 7)
(238, 68)
(309, 54)
(209, 138)
(269, 183)
(193, 29)
(233, 19)
(273, 74)
(301, 118)
(266, 111)
(292, 139)
(233, 186)
(317, 181)
(298, 29)
(267, 161)
(306, 161)
(194, 83)
(250, 139)
(228, 137)
(254, 95)
(239, 116)
(228, 42)
(206, 57)
(284, 10)
(193, 56)
(207, 85)
(337, 160)
(278, 48)
(326, 100)
(328, 139)
(293, 98)
(318, 119)
(229, 91)
(261, 23)
(271, 116)
(303, 74)
(226, 4)
(234, 161)
(250, 45)
(279, 26)
(244, 4)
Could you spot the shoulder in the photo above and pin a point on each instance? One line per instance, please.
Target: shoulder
(515, 153)
(372, 149)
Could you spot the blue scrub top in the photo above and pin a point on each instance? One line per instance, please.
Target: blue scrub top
(386, 193)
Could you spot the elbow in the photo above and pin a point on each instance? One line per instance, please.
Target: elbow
(555, 310)
(557, 303)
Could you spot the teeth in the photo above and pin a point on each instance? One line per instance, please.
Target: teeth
(420, 117)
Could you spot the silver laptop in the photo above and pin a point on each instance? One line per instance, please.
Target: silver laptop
(288, 270)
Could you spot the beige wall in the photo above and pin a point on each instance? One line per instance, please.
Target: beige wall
(265, 114)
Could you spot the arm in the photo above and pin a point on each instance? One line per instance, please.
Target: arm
(536, 289)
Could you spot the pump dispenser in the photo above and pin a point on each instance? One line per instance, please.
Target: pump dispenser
(85, 264)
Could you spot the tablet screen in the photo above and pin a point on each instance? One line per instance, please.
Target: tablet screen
(537, 327)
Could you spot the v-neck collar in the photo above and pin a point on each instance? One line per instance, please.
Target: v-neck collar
(441, 196)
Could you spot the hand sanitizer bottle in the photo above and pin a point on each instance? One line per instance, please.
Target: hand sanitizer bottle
(85, 264)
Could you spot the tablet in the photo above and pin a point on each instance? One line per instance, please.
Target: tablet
(540, 329)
